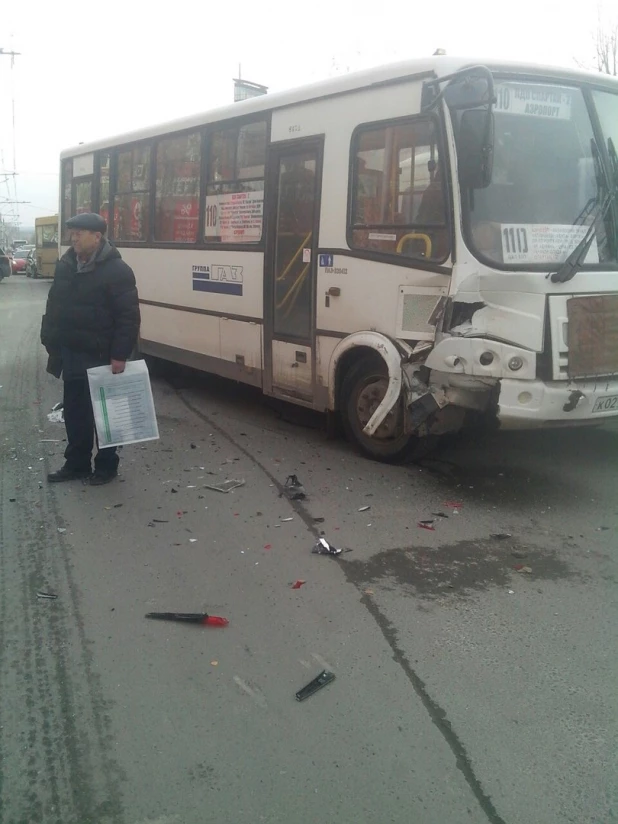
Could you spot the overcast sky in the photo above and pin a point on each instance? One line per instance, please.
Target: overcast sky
(87, 71)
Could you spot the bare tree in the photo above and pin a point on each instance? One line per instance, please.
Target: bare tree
(604, 38)
(606, 44)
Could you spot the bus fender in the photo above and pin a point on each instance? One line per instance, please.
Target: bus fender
(392, 357)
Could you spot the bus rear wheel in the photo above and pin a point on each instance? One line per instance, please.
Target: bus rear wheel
(363, 388)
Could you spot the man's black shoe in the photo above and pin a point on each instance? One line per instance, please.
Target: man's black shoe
(67, 474)
(100, 478)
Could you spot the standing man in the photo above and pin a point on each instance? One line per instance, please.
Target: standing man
(92, 319)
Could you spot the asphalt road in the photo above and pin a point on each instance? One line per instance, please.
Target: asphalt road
(465, 691)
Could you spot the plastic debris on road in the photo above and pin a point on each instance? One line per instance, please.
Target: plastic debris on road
(364, 508)
(522, 568)
(226, 486)
(427, 525)
(201, 618)
(324, 548)
(50, 596)
(500, 536)
(298, 584)
(57, 414)
(312, 687)
(294, 489)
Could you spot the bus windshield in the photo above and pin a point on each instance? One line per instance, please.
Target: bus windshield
(548, 180)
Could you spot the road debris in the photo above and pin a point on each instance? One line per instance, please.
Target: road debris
(192, 540)
(49, 440)
(286, 520)
(500, 536)
(158, 521)
(322, 680)
(453, 504)
(318, 520)
(427, 525)
(190, 618)
(324, 548)
(294, 489)
(57, 413)
(298, 584)
(364, 508)
(61, 530)
(226, 486)
(522, 568)
(439, 514)
(50, 596)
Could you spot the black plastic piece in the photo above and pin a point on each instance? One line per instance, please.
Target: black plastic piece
(322, 680)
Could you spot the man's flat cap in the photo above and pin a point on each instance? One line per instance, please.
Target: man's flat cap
(89, 221)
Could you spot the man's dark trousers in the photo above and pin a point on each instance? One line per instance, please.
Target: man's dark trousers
(79, 423)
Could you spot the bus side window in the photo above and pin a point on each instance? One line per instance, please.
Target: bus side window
(67, 187)
(398, 194)
(235, 185)
(177, 193)
(132, 194)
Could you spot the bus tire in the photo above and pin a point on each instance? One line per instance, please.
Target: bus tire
(364, 386)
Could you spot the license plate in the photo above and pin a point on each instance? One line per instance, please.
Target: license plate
(607, 404)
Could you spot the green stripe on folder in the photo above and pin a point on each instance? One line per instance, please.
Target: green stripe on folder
(105, 416)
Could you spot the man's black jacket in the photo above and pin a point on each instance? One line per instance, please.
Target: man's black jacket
(92, 316)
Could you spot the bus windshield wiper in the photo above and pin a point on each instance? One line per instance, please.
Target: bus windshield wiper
(574, 261)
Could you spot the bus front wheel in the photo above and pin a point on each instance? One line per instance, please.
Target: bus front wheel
(364, 386)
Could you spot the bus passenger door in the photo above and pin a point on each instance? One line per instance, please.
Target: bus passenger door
(293, 198)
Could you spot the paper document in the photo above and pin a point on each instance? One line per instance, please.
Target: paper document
(123, 407)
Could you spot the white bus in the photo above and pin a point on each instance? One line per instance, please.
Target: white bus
(407, 246)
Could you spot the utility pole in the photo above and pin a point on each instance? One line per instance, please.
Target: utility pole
(11, 54)
(4, 174)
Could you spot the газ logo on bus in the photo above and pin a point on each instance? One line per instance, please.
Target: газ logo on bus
(225, 280)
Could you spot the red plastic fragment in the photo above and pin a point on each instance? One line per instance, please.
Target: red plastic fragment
(268, 546)
(453, 504)
(298, 584)
(518, 567)
(426, 526)
(215, 621)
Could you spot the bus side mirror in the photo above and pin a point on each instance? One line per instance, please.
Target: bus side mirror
(468, 92)
(475, 143)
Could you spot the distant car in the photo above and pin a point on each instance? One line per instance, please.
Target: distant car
(5, 264)
(20, 261)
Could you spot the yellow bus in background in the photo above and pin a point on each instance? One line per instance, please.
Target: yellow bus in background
(46, 255)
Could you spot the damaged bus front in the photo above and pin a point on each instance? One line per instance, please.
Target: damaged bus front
(528, 335)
